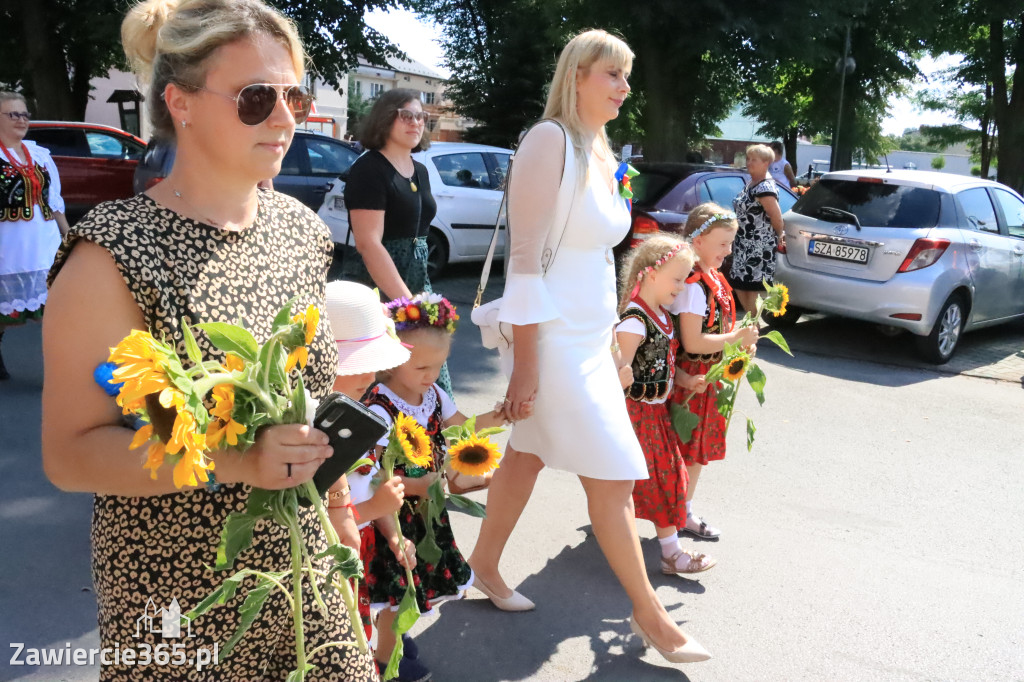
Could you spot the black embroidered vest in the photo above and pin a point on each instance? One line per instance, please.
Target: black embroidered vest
(654, 362)
(15, 202)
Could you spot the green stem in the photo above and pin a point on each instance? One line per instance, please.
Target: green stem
(347, 594)
(732, 404)
(328, 645)
(296, 542)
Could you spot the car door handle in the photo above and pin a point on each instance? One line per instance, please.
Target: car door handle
(1018, 251)
(444, 195)
(974, 244)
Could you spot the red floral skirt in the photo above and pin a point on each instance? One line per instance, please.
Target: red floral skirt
(707, 442)
(367, 550)
(661, 497)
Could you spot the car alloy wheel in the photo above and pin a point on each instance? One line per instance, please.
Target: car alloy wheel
(939, 345)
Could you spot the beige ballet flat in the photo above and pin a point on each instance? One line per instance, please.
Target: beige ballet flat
(691, 652)
(515, 602)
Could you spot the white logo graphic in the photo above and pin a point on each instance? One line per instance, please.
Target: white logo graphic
(166, 622)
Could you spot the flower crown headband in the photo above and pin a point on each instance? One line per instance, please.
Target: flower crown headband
(651, 268)
(423, 311)
(715, 217)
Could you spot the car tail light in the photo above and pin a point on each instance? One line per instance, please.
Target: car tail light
(153, 181)
(874, 181)
(923, 253)
(781, 248)
(913, 317)
(643, 227)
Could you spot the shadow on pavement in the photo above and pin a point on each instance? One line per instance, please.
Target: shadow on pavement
(994, 352)
(519, 645)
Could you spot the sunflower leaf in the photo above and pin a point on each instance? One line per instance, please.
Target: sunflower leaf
(191, 347)
(470, 424)
(284, 316)
(344, 561)
(471, 507)
(453, 432)
(299, 401)
(231, 339)
(776, 338)
(299, 675)
(724, 399)
(484, 433)
(408, 612)
(248, 612)
(757, 379)
(234, 538)
(364, 461)
(683, 421)
(750, 433)
(260, 502)
(427, 549)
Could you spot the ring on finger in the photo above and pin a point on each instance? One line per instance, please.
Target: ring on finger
(289, 469)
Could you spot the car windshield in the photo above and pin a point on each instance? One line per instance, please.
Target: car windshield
(875, 204)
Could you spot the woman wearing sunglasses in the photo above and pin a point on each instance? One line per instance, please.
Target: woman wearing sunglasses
(204, 245)
(389, 202)
(31, 218)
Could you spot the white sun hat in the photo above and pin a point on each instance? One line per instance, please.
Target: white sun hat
(364, 334)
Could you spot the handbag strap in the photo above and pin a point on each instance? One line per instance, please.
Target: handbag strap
(548, 255)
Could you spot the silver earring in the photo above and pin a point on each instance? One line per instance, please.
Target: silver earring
(184, 124)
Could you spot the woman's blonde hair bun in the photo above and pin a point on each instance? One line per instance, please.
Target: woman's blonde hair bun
(139, 32)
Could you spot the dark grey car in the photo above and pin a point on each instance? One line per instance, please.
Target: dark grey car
(312, 163)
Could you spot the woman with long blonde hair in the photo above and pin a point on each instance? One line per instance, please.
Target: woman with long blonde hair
(562, 304)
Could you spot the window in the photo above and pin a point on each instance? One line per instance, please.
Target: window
(294, 158)
(60, 141)
(376, 89)
(721, 190)
(359, 88)
(1013, 212)
(786, 200)
(500, 170)
(427, 97)
(978, 209)
(104, 146)
(327, 157)
(875, 204)
(463, 170)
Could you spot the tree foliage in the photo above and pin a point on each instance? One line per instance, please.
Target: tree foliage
(52, 49)
(501, 54)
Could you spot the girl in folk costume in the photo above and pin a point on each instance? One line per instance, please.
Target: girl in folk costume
(410, 393)
(653, 276)
(707, 319)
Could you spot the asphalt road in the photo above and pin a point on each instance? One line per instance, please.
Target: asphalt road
(872, 534)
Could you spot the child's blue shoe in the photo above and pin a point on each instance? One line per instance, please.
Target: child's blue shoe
(409, 648)
(412, 670)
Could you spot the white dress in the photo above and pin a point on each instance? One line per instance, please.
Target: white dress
(579, 423)
(27, 247)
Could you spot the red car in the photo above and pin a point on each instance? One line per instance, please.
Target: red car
(96, 162)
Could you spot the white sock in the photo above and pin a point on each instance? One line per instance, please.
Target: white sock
(669, 546)
(688, 512)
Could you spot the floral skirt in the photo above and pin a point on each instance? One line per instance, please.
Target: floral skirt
(367, 549)
(447, 579)
(707, 442)
(410, 259)
(661, 497)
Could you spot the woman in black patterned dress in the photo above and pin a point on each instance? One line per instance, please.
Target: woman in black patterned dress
(203, 245)
(760, 220)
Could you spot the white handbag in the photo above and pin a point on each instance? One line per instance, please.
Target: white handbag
(496, 334)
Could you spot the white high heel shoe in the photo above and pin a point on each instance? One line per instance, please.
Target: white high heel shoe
(691, 652)
(514, 602)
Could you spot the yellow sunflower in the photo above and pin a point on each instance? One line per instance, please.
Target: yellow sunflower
(229, 430)
(312, 320)
(155, 458)
(224, 397)
(233, 363)
(474, 456)
(785, 299)
(414, 440)
(193, 463)
(299, 356)
(736, 367)
(137, 346)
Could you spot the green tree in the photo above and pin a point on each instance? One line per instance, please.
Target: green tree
(939, 162)
(52, 49)
(358, 108)
(990, 35)
(501, 54)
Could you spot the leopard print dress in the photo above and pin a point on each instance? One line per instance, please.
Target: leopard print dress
(149, 551)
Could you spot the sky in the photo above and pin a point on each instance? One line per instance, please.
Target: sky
(421, 40)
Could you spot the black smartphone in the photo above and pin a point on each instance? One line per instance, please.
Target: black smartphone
(353, 429)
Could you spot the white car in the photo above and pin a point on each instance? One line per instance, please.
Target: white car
(467, 182)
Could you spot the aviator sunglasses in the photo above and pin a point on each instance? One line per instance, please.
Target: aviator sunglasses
(256, 102)
(408, 116)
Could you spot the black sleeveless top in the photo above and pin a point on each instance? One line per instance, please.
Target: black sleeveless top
(653, 364)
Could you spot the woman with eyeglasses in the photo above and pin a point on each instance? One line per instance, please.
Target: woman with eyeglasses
(204, 245)
(31, 218)
(389, 203)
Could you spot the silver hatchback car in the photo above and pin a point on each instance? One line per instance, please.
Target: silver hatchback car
(933, 253)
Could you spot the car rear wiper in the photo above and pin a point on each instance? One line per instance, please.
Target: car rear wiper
(841, 214)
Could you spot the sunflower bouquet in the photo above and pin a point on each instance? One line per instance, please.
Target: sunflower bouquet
(736, 363)
(187, 411)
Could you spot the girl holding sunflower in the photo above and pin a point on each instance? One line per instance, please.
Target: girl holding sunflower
(707, 321)
(652, 277)
(409, 397)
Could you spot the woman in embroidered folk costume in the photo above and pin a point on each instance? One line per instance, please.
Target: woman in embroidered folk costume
(31, 218)
(707, 319)
(563, 327)
(204, 245)
(652, 277)
(410, 396)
